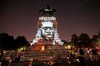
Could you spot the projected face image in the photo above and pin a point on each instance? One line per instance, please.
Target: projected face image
(47, 29)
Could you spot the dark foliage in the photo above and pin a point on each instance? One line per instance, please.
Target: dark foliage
(8, 42)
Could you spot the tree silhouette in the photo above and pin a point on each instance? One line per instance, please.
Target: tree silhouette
(96, 40)
(84, 40)
(21, 41)
(74, 39)
(6, 41)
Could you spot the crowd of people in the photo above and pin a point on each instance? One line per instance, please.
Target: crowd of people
(81, 55)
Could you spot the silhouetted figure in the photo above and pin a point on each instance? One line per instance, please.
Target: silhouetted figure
(81, 57)
(94, 51)
(81, 51)
(47, 11)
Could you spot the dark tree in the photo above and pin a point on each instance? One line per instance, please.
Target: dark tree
(84, 40)
(6, 41)
(95, 37)
(21, 41)
(95, 40)
(74, 39)
(99, 34)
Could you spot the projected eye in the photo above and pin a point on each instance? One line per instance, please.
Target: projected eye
(50, 28)
(45, 28)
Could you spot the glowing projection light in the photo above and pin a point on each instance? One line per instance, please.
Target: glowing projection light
(47, 24)
(43, 48)
(47, 18)
(47, 28)
(69, 47)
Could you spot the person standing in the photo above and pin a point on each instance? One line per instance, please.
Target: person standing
(81, 57)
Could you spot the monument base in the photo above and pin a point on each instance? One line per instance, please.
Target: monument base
(45, 45)
(46, 52)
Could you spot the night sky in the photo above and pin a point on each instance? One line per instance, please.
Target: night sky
(19, 17)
